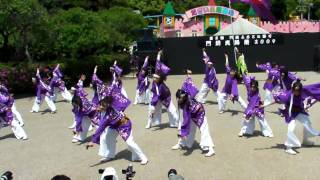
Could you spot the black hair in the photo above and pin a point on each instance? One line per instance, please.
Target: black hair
(274, 64)
(182, 96)
(76, 101)
(106, 101)
(60, 177)
(297, 84)
(284, 71)
(254, 83)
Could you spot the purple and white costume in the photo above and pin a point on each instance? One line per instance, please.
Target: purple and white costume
(253, 111)
(43, 90)
(57, 82)
(286, 83)
(193, 118)
(7, 117)
(210, 81)
(143, 92)
(295, 111)
(4, 90)
(113, 122)
(161, 96)
(117, 72)
(84, 115)
(230, 88)
(272, 83)
(98, 84)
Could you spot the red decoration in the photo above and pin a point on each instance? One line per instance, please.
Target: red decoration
(211, 3)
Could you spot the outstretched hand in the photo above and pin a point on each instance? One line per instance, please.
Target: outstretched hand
(95, 69)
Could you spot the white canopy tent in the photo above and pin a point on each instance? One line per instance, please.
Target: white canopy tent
(241, 26)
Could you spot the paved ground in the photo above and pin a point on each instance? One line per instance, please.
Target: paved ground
(49, 150)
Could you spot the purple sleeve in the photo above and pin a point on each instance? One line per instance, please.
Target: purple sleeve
(263, 67)
(185, 126)
(95, 80)
(78, 118)
(292, 76)
(3, 107)
(281, 97)
(234, 90)
(228, 69)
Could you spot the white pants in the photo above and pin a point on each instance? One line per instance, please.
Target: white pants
(85, 124)
(222, 101)
(108, 140)
(308, 131)
(142, 98)
(248, 126)
(157, 111)
(65, 95)
(17, 114)
(17, 130)
(203, 93)
(124, 92)
(50, 103)
(205, 137)
(267, 97)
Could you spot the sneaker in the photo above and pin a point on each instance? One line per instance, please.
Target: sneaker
(290, 151)
(144, 161)
(176, 147)
(240, 134)
(75, 140)
(210, 153)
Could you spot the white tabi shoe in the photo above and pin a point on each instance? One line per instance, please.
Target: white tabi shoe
(240, 134)
(176, 147)
(144, 161)
(74, 140)
(211, 152)
(90, 128)
(24, 138)
(290, 151)
(173, 125)
(72, 126)
(148, 126)
(270, 136)
(221, 112)
(32, 111)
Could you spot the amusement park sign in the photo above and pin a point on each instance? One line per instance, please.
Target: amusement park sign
(206, 10)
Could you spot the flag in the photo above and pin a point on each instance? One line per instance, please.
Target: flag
(261, 7)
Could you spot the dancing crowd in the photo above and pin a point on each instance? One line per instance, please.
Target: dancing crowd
(106, 111)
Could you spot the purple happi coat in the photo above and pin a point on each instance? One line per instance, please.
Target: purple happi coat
(6, 102)
(42, 89)
(210, 75)
(192, 111)
(56, 80)
(143, 82)
(87, 109)
(287, 98)
(231, 85)
(160, 93)
(111, 118)
(254, 107)
(273, 76)
(189, 87)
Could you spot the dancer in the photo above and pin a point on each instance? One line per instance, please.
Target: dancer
(97, 84)
(193, 117)
(287, 79)
(84, 112)
(42, 89)
(241, 63)
(254, 110)
(5, 92)
(272, 83)
(296, 110)
(113, 123)
(230, 89)
(116, 78)
(143, 92)
(161, 96)
(6, 116)
(57, 82)
(210, 81)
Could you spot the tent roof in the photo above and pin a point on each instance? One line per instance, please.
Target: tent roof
(241, 26)
(168, 10)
